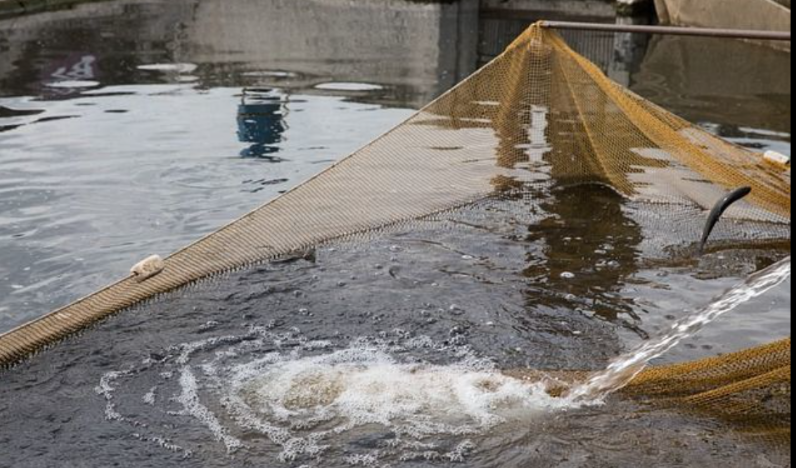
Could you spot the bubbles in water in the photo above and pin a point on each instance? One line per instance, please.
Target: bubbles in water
(369, 402)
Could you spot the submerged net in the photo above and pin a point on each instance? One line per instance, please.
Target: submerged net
(750, 389)
(539, 112)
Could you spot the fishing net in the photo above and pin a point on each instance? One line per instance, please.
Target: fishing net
(539, 112)
(749, 389)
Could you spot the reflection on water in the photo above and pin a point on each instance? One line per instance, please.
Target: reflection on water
(261, 122)
(247, 42)
(78, 211)
(737, 90)
(130, 128)
(125, 129)
(385, 353)
(584, 265)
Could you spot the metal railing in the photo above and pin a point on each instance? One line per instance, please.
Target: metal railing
(671, 30)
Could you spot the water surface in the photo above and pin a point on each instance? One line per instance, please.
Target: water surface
(125, 130)
(391, 352)
(129, 128)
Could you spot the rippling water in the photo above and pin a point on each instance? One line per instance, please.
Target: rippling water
(392, 352)
(397, 397)
(125, 131)
(129, 128)
(305, 397)
(94, 182)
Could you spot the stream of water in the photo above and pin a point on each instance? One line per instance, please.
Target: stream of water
(624, 369)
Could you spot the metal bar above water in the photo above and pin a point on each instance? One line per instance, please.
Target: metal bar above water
(671, 30)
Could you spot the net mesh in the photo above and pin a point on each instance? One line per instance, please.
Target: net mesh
(750, 389)
(537, 111)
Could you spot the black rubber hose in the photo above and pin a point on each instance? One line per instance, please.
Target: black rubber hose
(718, 210)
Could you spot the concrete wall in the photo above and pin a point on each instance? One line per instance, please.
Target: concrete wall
(432, 45)
(583, 8)
(312, 38)
(20, 7)
(579, 7)
(766, 15)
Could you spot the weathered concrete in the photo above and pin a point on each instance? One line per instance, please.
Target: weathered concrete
(10, 8)
(310, 32)
(765, 15)
(434, 45)
(583, 8)
(568, 7)
(762, 15)
(634, 7)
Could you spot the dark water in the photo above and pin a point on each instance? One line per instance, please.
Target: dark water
(286, 364)
(124, 130)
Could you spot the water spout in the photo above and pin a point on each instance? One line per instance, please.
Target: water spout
(626, 368)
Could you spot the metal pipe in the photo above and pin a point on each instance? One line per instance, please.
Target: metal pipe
(670, 30)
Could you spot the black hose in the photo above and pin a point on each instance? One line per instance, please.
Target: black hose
(718, 210)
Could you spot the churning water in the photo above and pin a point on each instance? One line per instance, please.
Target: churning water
(371, 402)
(300, 364)
(305, 397)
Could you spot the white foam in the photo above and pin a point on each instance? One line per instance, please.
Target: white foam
(306, 396)
(105, 389)
(192, 406)
(365, 386)
(151, 396)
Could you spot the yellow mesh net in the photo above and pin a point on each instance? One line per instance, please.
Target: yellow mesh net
(538, 111)
(749, 389)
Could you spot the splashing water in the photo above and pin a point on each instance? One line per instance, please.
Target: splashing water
(365, 402)
(381, 400)
(626, 368)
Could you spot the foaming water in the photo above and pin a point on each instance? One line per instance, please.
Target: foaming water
(626, 368)
(385, 400)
